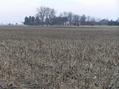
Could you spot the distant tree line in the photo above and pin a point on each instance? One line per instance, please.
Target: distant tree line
(47, 16)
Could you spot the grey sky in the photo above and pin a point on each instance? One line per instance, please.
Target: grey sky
(15, 10)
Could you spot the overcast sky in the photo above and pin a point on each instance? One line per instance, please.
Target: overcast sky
(13, 11)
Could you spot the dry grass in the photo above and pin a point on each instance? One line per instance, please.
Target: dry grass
(59, 58)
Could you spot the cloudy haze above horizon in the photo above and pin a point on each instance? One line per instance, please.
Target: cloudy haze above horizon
(14, 11)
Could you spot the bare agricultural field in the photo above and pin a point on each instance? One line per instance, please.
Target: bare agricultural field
(33, 57)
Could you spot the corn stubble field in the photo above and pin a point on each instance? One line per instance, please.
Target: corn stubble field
(59, 58)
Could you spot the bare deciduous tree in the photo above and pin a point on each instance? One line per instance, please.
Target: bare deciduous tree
(45, 14)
